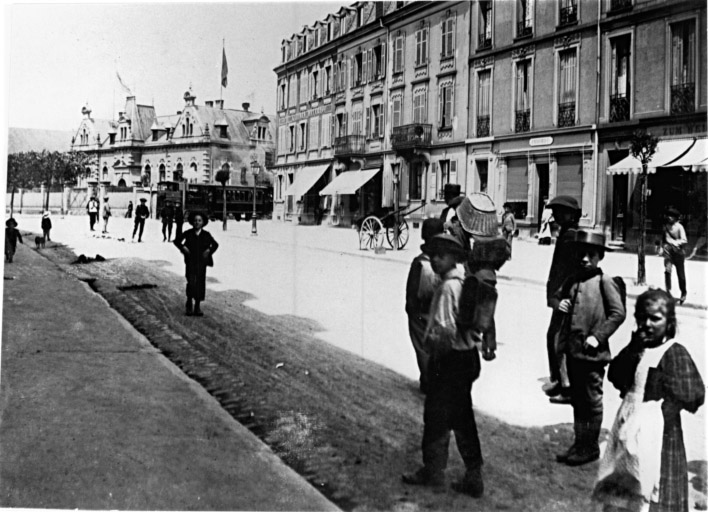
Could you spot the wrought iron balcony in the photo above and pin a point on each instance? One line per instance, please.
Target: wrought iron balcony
(349, 145)
(620, 5)
(683, 98)
(569, 15)
(619, 108)
(482, 126)
(523, 120)
(523, 29)
(484, 42)
(411, 135)
(566, 114)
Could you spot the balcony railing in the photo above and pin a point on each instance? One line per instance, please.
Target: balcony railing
(349, 145)
(683, 98)
(568, 15)
(566, 114)
(482, 126)
(411, 135)
(523, 120)
(620, 5)
(524, 29)
(484, 42)
(619, 108)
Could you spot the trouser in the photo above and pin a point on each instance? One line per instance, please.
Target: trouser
(139, 223)
(586, 398)
(105, 224)
(416, 329)
(556, 358)
(45, 232)
(178, 229)
(674, 257)
(167, 230)
(92, 219)
(448, 406)
(509, 237)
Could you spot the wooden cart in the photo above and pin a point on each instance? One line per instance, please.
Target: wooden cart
(388, 225)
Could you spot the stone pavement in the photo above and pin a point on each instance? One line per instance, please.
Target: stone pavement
(93, 417)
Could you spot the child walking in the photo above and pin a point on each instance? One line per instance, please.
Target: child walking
(12, 236)
(644, 466)
(674, 242)
(508, 225)
(420, 288)
(454, 365)
(593, 309)
(46, 225)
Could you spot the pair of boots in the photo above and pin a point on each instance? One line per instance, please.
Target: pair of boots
(667, 284)
(586, 447)
(193, 310)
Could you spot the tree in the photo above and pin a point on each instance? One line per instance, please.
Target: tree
(643, 149)
(68, 167)
(19, 175)
(222, 176)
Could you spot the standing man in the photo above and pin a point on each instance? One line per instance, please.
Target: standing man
(451, 193)
(566, 212)
(141, 213)
(92, 209)
(168, 216)
(674, 256)
(106, 213)
(508, 225)
(179, 219)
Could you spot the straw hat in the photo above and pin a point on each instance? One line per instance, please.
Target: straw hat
(478, 215)
(591, 237)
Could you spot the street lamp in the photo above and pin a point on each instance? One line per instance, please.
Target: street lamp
(255, 169)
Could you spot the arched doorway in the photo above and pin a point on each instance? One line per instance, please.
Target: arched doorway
(121, 182)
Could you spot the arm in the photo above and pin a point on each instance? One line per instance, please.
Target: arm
(624, 365)
(682, 239)
(614, 310)
(676, 378)
(179, 243)
(412, 303)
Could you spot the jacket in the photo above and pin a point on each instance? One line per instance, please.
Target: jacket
(420, 287)
(594, 312)
(197, 244)
(441, 334)
(563, 265)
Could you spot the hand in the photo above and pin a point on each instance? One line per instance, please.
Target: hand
(592, 341)
(206, 254)
(184, 250)
(564, 306)
(488, 354)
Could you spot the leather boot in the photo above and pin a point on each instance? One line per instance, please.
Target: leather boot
(188, 307)
(197, 309)
(425, 477)
(667, 282)
(577, 433)
(471, 484)
(589, 448)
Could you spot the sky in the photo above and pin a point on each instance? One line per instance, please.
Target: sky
(59, 56)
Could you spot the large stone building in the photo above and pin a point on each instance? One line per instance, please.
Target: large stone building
(141, 149)
(383, 103)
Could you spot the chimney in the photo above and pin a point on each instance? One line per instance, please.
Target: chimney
(245, 106)
(209, 103)
(179, 112)
(219, 104)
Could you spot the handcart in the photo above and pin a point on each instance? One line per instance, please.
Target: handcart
(390, 225)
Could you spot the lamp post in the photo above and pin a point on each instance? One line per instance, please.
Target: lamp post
(255, 169)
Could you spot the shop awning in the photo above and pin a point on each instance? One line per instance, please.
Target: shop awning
(349, 182)
(305, 179)
(696, 159)
(666, 152)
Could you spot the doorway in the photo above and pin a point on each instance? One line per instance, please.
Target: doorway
(543, 188)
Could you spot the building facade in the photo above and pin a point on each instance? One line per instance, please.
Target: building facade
(523, 100)
(141, 149)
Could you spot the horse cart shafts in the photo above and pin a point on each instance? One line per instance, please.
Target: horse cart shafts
(391, 226)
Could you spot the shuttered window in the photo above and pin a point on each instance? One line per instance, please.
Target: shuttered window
(517, 180)
(570, 176)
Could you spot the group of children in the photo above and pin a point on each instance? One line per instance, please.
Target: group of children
(450, 311)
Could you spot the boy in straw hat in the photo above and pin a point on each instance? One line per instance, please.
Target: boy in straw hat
(592, 307)
(454, 365)
(46, 225)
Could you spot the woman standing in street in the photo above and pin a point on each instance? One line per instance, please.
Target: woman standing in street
(197, 246)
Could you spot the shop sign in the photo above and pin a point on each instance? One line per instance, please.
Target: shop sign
(308, 113)
(541, 141)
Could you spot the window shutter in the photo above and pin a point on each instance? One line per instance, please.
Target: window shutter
(441, 105)
(453, 171)
(364, 67)
(346, 121)
(332, 133)
(382, 119)
(383, 60)
(433, 180)
(367, 125)
(336, 76)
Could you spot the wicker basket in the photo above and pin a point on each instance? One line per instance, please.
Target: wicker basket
(478, 215)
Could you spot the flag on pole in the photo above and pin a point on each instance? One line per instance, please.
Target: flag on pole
(126, 89)
(224, 68)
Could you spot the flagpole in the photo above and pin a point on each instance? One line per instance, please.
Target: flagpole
(221, 92)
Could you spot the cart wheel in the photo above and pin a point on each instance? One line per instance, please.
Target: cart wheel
(402, 234)
(371, 234)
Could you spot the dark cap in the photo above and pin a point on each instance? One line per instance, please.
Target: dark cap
(142, 199)
(444, 244)
(451, 190)
(11, 222)
(672, 211)
(567, 201)
(591, 237)
(431, 227)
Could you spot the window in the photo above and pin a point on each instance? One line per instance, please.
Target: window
(619, 78)
(292, 139)
(397, 110)
(356, 120)
(314, 133)
(485, 24)
(522, 108)
(177, 175)
(415, 180)
(567, 87)
(162, 172)
(420, 107)
(124, 132)
(341, 121)
(377, 62)
(357, 70)
(421, 46)
(446, 91)
(683, 68)
(448, 36)
(398, 54)
(292, 90)
(568, 12)
(105, 173)
(302, 136)
(282, 96)
(376, 121)
(524, 15)
(326, 132)
(484, 100)
(314, 84)
(448, 174)
(193, 172)
(327, 80)
(482, 175)
(304, 82)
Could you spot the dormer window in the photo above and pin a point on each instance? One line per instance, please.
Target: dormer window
(111, 138)
(222, 131)
(123, 133)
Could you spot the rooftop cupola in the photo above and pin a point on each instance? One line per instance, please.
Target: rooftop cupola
(189, 98)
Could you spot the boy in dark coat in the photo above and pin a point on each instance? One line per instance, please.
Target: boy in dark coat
(46, 225)
(141, 213)
(592, 309)
(197, 245)
(420, 288)
(12, 235)
(168, 217)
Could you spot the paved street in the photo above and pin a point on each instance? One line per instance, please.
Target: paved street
(356, 297)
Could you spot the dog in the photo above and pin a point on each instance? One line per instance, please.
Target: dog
(39, 242)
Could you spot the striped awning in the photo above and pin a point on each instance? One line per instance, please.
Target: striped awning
(349, 182)
(667, 151)
(696, 159)
(305, 179)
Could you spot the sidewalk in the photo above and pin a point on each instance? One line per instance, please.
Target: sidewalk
(93, 417)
